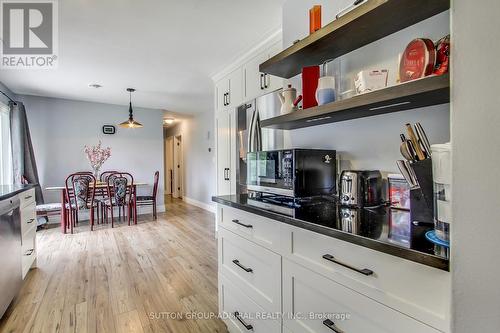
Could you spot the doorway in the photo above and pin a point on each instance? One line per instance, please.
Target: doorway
(174, 166)
(177, 188)
(169, 165)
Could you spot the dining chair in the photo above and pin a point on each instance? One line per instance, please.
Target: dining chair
(103, 177)
(101, 192)
(80, 193)
(150, 200)
(120, 188)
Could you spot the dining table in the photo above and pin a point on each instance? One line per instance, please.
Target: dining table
(100, 188)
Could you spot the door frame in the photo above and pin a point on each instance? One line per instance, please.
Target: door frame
(169, 164)
(178, 188)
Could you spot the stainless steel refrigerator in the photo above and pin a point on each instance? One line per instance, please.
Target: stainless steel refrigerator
(251, 136)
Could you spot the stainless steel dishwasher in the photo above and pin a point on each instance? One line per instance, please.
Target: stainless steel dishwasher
(10, 252)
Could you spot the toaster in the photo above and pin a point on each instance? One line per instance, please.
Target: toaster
(360, 188)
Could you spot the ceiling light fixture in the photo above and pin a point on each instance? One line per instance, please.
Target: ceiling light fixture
(168, 121)
(130, 123)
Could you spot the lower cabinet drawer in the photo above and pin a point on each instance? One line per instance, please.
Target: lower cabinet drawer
(28, 250)
(251, 268)
(258, 229)
(313, 303)
(28, 217)
(241, 314)
(417, 290)
(27, 197)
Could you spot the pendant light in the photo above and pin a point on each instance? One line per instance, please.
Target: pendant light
(130, 123)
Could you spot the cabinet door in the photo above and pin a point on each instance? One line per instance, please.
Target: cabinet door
(273, 83)
(235, 97)
(221, 90)
(254, 79)
(232, 150)
(222, 124)
(312, 303)
(225, 123)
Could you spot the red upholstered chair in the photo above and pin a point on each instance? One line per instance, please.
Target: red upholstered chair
(120, 187)
(150, 200)
(80, 193)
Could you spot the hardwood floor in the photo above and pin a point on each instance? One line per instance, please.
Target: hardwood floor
(126, 279)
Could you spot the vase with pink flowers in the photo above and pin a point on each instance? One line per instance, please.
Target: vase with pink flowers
(97, 155)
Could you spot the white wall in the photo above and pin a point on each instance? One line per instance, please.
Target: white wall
(475, 232)
(369, 143)
(199, 163)
(61, 128)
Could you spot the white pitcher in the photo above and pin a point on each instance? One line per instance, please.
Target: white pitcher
(288, 99)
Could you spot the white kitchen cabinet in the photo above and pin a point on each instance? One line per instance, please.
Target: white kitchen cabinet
(225, 123)
(241, 314)
(312, 303)
(259, 230)
(256, 82)
(417, 290)
(28, 230)
(221, 90)
(229, 90)
(251, 268)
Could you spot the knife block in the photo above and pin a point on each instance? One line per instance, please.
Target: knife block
(422, 198)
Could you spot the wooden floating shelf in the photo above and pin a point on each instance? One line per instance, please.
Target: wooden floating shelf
(367, 23)
(432, 90)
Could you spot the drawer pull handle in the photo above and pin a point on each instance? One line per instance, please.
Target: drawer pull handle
(247, 326)
(28, 197)
(246, 269)
(243, 224)
(364, 271)
(31, 221)
(29, 252)
(331, 325)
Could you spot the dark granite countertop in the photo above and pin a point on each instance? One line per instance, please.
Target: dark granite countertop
(382, 229)
(8, 191)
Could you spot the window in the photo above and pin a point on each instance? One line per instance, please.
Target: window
(5, 149)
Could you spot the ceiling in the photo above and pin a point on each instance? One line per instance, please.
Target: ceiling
(166, 49)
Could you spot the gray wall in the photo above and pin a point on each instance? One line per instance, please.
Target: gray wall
(475, 232)
(61, 128)
(199, 163)
(370, 143)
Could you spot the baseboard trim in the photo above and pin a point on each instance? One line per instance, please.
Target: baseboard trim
(84, 215)
(210, 207)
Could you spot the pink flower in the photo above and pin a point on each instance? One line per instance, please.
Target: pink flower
(97, 155)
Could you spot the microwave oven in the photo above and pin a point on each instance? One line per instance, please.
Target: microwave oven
(292, 172)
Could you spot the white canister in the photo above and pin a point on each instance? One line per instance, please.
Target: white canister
(441, 173)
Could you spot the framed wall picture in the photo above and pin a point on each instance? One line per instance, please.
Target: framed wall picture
(109, 129)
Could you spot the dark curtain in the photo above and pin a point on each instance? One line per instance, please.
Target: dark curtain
(23, 158)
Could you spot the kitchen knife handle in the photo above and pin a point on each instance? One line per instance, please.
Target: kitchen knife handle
(422, 136)
(364, 271)
(413, 138)
(246, 269)
(331, 325)
(247, 326)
